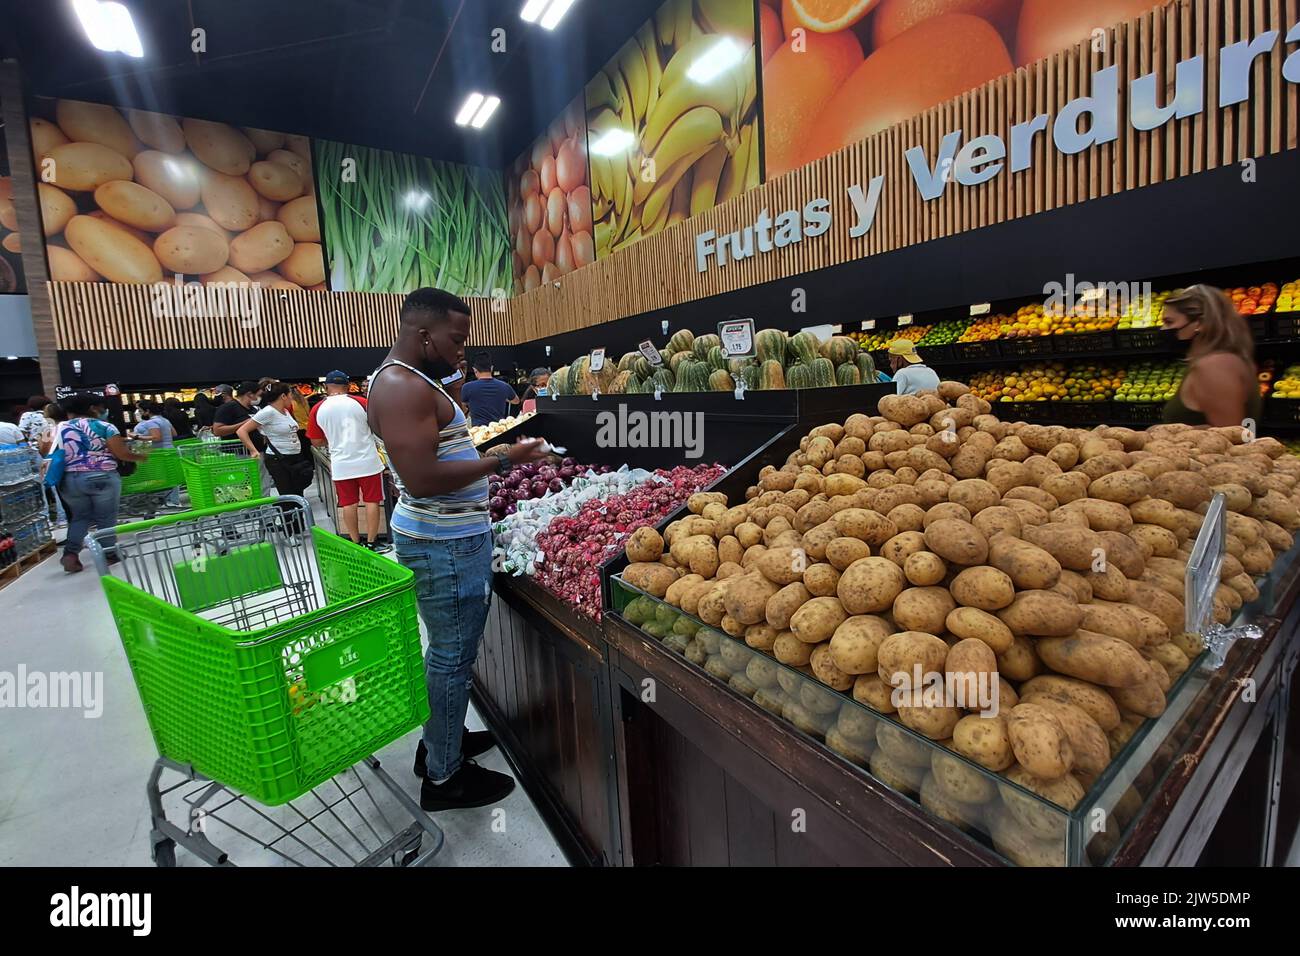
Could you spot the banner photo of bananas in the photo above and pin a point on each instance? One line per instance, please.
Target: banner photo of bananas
(548, 203)
(672, 121)
(838, 71)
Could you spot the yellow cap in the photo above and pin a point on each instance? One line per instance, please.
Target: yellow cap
(905, 349)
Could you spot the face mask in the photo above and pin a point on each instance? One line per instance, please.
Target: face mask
(1176, 345)
(435, 363)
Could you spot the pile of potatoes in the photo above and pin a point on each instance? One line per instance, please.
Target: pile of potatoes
(137, 197)
(1049, 560)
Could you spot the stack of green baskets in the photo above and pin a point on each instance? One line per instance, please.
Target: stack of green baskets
(277, 710)
(219, 473)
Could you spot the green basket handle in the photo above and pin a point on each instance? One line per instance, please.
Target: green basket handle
(165, 520)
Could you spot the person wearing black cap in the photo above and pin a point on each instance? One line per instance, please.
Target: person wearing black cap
(233, 413)
(339, 423)
(487, 397)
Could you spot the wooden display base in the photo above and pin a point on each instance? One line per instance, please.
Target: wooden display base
(24, 564)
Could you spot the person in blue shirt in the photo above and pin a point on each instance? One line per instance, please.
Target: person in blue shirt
(488, 398)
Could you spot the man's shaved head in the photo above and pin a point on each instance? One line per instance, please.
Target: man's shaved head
(425, 308)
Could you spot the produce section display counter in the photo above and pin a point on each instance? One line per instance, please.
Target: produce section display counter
(325, 492)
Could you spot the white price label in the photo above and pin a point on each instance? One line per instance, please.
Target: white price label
(659, 391)
(651, 353)
(982, 308)
(868, 325)
(737, 337)
(597, 359)
(904, 320)
(740, 390)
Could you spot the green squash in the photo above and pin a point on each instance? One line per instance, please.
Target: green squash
(772, 376)
(805, 347)
(770, 346)
(703, 344)
(848, 374)
(681, 341)
(721, 381)
(840, 349)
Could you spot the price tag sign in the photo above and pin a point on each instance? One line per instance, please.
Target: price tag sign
(651, 353)
(597, 359)
(904, 320)
(868, 325)
(737, 338)
(982, 308)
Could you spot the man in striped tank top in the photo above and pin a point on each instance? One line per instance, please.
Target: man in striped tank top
(441, 531)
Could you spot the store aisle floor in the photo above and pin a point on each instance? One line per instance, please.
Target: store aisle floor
(72, 787)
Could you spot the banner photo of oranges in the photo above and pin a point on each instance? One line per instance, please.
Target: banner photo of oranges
(548, 203)
(136, 197)
(672, 120)
(838, 71)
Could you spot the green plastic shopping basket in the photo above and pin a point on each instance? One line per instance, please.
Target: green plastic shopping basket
(160, 471)
(219, 472)
(268, 654)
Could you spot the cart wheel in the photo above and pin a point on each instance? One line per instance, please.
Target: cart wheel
(408, 853)
(164, 853)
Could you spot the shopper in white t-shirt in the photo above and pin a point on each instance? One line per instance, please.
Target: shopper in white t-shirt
(339, 422)
(910, 373)
(287, 462)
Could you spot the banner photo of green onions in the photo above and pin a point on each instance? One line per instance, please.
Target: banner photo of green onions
(395, 222)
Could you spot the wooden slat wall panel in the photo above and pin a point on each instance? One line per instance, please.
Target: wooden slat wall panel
(659, 271)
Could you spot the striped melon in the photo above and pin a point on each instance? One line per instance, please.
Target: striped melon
(642, 368)
(721, 381)
(823, 373)
(799, 375)
(693, 377)
(560, 380)
(703, 344)
(678, 360)
(770, 345)
(771, 375)
(664, 379)
(867, 366)
(618, 385)
(717, 359)
(848, 374)
(626, 363)
(805, 347)
(750, 375)
(681, 341)
(840, 349)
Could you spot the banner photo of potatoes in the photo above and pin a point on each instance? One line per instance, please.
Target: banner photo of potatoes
(549, 202)
(137, 197)
(672, 120)
(396, 222)
(838, 71)
(11, 263)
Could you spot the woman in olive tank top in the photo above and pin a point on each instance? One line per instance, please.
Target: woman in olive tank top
(1221, 387)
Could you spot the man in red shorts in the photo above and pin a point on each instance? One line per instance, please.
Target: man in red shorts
(339, 421)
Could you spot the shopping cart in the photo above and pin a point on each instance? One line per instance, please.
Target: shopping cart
(219, 472)
(145, 491)
(271, 658)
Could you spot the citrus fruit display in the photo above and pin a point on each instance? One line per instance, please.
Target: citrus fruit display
(1255, 299)
(1289, 299)
(1288, 386)
(1049, 382)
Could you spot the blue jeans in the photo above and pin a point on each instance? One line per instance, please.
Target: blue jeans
(453, 585)
(91, 497)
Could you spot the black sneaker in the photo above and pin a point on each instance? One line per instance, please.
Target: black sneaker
(379, 547)
(472, 744)
(470, 786)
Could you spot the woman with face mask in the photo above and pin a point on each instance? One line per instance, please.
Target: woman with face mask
(1221, 388)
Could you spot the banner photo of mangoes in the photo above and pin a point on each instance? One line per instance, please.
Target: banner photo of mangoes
(672, 120)
(137, 197)
(548, 199)
(11, 246)
(838, 71)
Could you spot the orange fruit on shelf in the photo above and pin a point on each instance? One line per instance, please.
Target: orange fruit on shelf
(796, 86)
(936, 60)
(824, 16)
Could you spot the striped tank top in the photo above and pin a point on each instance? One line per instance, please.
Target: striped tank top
(459, 514)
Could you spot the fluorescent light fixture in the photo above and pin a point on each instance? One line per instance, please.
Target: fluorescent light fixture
(12, 358)
(109, 27)
(485, 112)
(469, 108)
(613, 143)
(532, 10)
(719, 58)
(555, 13)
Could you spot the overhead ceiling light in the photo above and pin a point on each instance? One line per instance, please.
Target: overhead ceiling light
(555, 11)
(109, 27)
(469, 108)
(485, 112)
(613, 143)
(716, 60)
(477, 110)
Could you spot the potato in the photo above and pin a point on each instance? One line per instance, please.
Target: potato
(972, 668)
(906, 410)
(57, 208)
(825, 670)
(870, 585)
(858, 751)
(67, 266)
(870, 690)
(782, 566)
(984, 740)
(1065, 791)
(1035, 496)
(111, 251)
(747, 596)
(924, 568)
(900, 654)
(96, 123)
(945, 509)
(1087, 739)
(922, 609)
(817, 619)
(856, 643)
(1011, 838)
(841, 552)
(1183, 489)
(869, 526)
(974, 494)
(957, 542)
(1028, 512)
(191, 250)
(761, 672)
(1091, 699)
(233, 204)
(751, 556)
(816, 540)
(1124, 487)
(907, 517)
(902, 546)
(1020, 661)
(1171, 658)
(1041, 614)
(175, 178)
(645, 544)
(650, 577)
(788, 649)
(275, 181)
(960, 781)
(936, 722)
(305, 265)
(1074, 548)
(985, 588)
(1067, 487)
(1025, 565)
(902, 777)
(782, 605)
(973, 623)
(1145, 697)
(1160, 603)
(219, 146)
(85, 166)
(1109, 585)
(1039, 741)
(44, 136)
(936, 800)
(1096, 658)
(677, 590)
(997, 520)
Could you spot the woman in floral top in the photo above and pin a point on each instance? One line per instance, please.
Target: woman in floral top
(91, 486)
